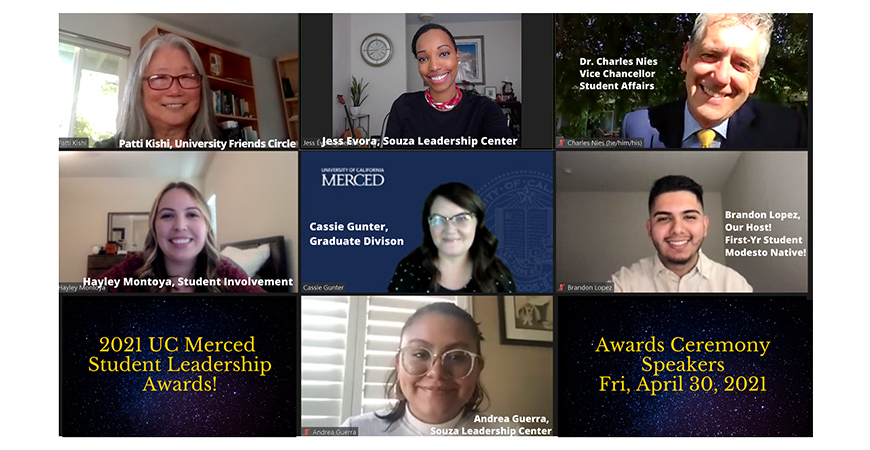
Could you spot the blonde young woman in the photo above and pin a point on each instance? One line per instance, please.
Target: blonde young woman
(181, 252)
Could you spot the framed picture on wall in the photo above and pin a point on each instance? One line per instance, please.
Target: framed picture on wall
(471, 61)
(215, 64)
(490, 92)
(526, 320)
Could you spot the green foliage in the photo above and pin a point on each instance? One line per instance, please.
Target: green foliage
(356, 91)
(83, 128)
(109, 87)
(661, 37)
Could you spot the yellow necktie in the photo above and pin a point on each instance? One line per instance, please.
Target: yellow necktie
(706, 137)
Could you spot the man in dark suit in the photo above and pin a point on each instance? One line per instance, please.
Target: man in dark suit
(722, 62)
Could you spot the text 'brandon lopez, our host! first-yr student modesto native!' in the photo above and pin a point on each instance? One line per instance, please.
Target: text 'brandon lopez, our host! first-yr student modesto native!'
(722, 62)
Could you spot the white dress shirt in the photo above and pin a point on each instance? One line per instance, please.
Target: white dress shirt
(650, 275)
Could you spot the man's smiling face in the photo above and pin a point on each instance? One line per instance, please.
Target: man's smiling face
(677, 226)
(722, 70)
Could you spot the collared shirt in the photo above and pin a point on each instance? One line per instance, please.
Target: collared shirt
(691, 126)
(650, 275)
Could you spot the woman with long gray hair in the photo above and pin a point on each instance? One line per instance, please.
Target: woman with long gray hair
(167, 96)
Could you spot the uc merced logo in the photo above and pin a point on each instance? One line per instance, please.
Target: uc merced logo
(519, 211)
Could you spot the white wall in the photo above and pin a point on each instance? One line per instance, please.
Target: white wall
(387, 81)
(764, 182)
(599, 232)
(128, 29)
(341, 68)
(84, 207)
(257, 197)
(502, 41)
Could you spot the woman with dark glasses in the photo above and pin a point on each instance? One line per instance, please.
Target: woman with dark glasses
(458, 251)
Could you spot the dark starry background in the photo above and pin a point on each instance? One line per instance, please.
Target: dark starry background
(114, 404)
(784, 409)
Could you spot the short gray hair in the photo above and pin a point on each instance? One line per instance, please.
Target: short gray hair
(762, 22)
(133, 123)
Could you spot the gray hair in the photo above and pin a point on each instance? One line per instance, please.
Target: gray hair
(762, 22)
(133, 123)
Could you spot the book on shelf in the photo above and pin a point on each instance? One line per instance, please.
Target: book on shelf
(230, 104)
(288, 87)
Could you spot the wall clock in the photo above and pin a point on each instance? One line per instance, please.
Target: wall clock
(376, 49)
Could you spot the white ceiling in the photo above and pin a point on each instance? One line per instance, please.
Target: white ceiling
(146, 164)
(413, 19)
(265, 35)
(614, 171)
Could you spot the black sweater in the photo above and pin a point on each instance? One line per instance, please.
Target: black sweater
(475, 117)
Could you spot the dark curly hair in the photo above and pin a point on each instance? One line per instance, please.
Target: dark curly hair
(478, 397)
(486, 268)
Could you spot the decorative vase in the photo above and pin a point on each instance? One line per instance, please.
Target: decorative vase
(354, 110)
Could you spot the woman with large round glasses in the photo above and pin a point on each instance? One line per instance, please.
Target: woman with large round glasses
(443, 110)
(458, 251)
(436, 378)
(167, 96)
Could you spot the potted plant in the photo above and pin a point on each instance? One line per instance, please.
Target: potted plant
(356, 91)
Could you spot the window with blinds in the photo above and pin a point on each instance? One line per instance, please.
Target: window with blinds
(348, 348)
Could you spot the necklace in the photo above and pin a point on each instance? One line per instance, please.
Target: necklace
(446, 106)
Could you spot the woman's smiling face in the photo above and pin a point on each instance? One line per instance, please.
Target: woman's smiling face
(180, 227)
(438, 62)
(437, 396)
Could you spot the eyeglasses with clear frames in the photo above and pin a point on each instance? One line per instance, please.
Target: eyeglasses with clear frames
(162, 82)
(418, 361)
(459, 220)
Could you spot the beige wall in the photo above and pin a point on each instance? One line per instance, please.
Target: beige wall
(518, 378)
(257, 197)
(599, 232)
(84, 207)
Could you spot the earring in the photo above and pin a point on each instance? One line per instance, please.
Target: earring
(476, 397)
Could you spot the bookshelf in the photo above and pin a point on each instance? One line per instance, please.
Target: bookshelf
(288, 73)
(230, 78)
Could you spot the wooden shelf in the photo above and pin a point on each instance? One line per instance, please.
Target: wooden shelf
(231, 117)
(224, 81)
(288, 68)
